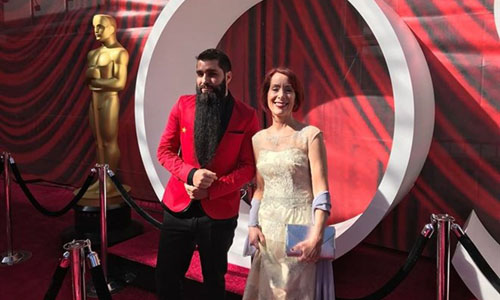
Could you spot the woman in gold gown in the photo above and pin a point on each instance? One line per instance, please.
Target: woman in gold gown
(292, 188)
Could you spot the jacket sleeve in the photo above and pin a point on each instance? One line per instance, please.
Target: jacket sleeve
(168, 149)
(245, 168)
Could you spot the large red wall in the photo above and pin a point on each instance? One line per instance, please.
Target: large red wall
(44, 102)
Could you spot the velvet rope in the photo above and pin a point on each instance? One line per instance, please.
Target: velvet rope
(100, 285)
(478, 259)
(410, 262)
(245, 193)
(37, 205)
(126, 197)
(57, 278)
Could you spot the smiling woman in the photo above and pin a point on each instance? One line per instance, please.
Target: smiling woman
(281, 96)
(282, 87)
(292, 188)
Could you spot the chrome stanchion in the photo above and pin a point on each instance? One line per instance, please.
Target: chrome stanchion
(10, 257)
(113, 286)
(77, 253)
(102, 172)
(443, 222)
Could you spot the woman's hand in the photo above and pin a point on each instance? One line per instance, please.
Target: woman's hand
(256, 237)
(310, 249)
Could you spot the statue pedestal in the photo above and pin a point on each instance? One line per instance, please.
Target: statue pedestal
(120, 226)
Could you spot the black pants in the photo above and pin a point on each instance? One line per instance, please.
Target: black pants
(179, 237)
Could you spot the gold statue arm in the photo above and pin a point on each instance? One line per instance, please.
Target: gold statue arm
(92, 70)
(92, 73)
(119, 78)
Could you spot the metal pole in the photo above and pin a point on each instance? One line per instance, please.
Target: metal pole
(8, 220)
(10, 257)
(113, 285)
(443, 254)
(103, 170)
(76, 249)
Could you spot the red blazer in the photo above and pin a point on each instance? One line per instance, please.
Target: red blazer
(233, 163)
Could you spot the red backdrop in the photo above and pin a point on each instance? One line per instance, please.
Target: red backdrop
(44, 103)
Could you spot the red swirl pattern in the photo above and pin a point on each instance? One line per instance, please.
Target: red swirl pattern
(44, 102)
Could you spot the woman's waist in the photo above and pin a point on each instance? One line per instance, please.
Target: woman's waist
(295, 199)
(278, 221)
(298, 212)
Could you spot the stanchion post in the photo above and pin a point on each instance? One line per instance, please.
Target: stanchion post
(112, 285)
(76, 249)
(6, 184)
(10, 257)
(443, 222)
(102, 171)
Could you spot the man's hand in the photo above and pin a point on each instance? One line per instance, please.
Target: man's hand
(203, 178)
(195, 193)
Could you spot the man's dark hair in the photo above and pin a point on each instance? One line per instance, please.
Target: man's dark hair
(216, 54)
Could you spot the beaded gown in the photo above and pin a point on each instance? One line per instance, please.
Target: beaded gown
(283, 164)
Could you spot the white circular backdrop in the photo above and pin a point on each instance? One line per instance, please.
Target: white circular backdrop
(496, 12)
(166, 71)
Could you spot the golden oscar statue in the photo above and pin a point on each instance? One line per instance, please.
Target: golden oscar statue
(106, 75)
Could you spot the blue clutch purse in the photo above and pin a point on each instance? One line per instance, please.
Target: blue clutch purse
(297, 233)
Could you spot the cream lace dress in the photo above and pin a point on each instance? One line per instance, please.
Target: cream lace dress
(284, 165)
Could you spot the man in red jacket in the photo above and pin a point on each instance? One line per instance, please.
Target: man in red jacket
(207, 148)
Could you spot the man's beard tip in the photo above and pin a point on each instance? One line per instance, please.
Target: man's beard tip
(207, 127)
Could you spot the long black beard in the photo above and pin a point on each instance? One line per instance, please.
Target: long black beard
(207, 123)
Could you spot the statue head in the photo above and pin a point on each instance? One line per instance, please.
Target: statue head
(104, 27)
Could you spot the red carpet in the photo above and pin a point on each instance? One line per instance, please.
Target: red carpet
(144, 248)
(358, 273)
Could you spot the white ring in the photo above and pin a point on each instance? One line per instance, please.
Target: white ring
(496, 13)
(182, 31)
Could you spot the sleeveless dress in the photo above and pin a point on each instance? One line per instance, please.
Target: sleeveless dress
(284, 165)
